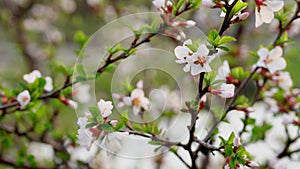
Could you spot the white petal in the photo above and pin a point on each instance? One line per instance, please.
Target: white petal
(196, 69)
(187, 68)
(48, 87)
(278, 64)
(137, 93)
(181, 52)
(136, 110)
(266, 14)
(31, 77)
(139, 84)
(187, 42)
(263, 53)
(23, 98)
(276, 52)
(274, 5)
(258, 20)
(202, 50)
(105, 108)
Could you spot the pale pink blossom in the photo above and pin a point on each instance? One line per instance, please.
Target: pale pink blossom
(105, 108)
(264, 11)
(31, 77)
(284, 80)
(23, 98)
(225, 90)
(48, 86)
(199, 61)
(271, 60)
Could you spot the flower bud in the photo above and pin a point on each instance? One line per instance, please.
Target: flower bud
(237, 141)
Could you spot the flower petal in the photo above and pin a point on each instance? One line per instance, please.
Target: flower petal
(276, 52)
(202, 50)
(278, 64)
(258, 20)
(266, 14)
(274, 5)
(181, 52)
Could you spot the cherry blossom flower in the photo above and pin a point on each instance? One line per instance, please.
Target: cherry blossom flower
(85, 138)
(272, 104)
(223, 71)
(81, 93)
(284, 80)
(113, 141)
(182, 53)
(48, 87)
(199, 61)
(264, 11)
(139, 101)
(159, 3)
(23, 98)
(271, 60)
(225, 90)
(105, 108)
(288, 119)
(68, 6)
(31, 77)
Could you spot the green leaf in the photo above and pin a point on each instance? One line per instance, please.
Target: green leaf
(107, 127)
(226, 39)
(214, 37)
(239, 6)
(258, 132)
(231, 138)
(110, 67)
(192, 47)
(195, 3)
(179, 4)
(92, 124)
(154, 142)
(80, 70)
(225, 48)
(80, 38)
(242, 101)
(239, 73)
(95, 112)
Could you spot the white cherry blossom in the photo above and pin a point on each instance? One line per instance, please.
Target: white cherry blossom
(225, 90)
(31, 77)
(159, 3)
(252, 164)
(271, 60)
(113, 141)
(264, 11)
(284, 80)
(182, 53)
(223, 71)
(139, 101)
(23, 98)
(85, 138)
(105, 108)
(288, 119)
(49, 86)
(200, 60)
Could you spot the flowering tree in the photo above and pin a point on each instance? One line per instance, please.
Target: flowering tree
(32, 113)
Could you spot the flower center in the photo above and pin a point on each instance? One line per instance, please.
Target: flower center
(24, 99)
(200, 61)
(259, 2)
(267, 61)
(136, 101)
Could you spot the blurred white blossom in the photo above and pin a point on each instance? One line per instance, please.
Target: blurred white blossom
(23, 98)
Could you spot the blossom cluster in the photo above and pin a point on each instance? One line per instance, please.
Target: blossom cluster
(88, 132)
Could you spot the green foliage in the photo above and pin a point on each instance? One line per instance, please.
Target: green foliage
(195, 3)
(242, 101)
(239, 73)
(236, 154)
(259, 132)
(217, 41)
(80, 38)
(239, 6)
(284, 39)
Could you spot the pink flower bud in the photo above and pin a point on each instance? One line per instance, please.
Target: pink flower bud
(243, 16)
(237, 141)
(114, 122)
(190, 23)
(252, 164)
